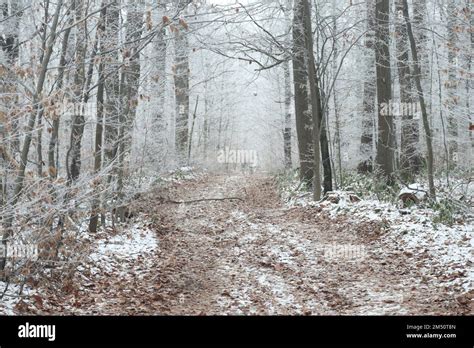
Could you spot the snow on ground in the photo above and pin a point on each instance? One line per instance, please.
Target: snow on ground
(258, 256)
(411, 229)
(10, 295)
(132, 243)
(117, 257)
(259, 280)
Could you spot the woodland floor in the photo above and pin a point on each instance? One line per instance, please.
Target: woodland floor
(255, 256)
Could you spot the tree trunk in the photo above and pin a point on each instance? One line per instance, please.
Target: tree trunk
(53, 170)
(99, 130)
(129, 90)
(469, 79)
(158, 85)
(315, 98)
(112, 84)
(287, 124)
(323, 139)
(452, 83)
(337, 135)
(368, 115)
(410, 161)
(386, 136)
(78, 120)
(9, 143)
(181, 88)
(426, 125)
(302, 112)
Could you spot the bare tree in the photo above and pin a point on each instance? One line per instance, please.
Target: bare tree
(181, 85)
(287, 92)
(368, 114)
(385, 145)
(99, 128)
(302, 111)
(315, 98)
(417, 74)
(158, 83)
(452, 83)
(78, 119)
(410, 161)
(130, 80)
(9, 144)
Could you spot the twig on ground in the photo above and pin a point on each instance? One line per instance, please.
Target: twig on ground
(204, 199)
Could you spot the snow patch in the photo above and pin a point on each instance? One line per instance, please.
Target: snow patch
(412, 230)
(11, 296)
(116, 252)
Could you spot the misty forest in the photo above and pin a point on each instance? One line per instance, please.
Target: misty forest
(223, 157)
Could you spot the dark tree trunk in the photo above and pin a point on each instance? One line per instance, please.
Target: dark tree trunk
(417, 74)
(302, 112)
(324, 142)
(78, 120)
(368, 115)
(158, 86)
(386, 130)
(99, 130)
(315, 97)
(287, 123)
(129, 91)
(452, 83)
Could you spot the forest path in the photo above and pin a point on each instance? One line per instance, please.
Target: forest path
(257, 256)
(254, 256)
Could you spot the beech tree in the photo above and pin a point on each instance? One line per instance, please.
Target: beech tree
(181, 86)
(417, 74)
(410, 161)
(368, 114)
(301, 92)
(385, 144)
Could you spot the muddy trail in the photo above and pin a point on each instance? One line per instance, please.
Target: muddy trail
(255, 256)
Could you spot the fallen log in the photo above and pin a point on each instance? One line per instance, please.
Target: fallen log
(204, 199)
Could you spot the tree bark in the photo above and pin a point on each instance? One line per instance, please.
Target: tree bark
(158, 86)
(181, 88)
(452, 84)
(314, 98)
(386, 136)
(302, 112)
(99, 128)
(410, 161)
(53, 170)
(129, 96)
(112, 84)
(368, 114)
(323, 138)
(426, 125)
(287, 123)
(78, 120)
